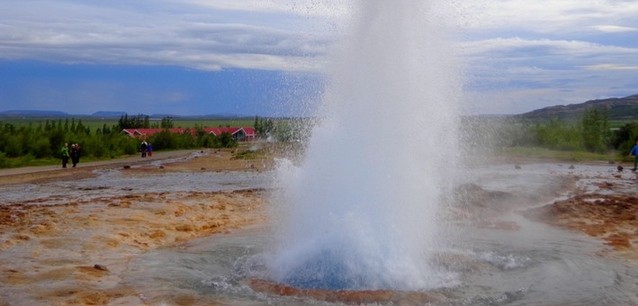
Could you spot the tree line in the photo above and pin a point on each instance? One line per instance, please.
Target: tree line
(141, 121)
(22, 145)
(591, 133)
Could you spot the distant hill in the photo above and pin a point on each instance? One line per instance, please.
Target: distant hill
(107, 114)
(619, 109)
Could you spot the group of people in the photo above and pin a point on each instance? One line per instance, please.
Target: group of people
(73, 152)
(146, 148)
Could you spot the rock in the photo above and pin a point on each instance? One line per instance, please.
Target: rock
(100, 267)
(127, 167)
(572, 167)
(620, 168)
(517, 166)
(161, 167)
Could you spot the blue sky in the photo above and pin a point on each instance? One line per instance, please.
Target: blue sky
(265, 57)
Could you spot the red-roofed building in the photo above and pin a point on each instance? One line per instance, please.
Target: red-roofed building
(238, 133)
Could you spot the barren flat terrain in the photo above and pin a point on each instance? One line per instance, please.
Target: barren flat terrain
(69, 249)
(67, 235)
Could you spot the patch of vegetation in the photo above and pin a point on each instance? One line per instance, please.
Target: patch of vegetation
(589, 137)
(250, 154)
(40, 144)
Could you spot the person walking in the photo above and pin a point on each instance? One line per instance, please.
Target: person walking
(143, 148)
(75, 154)
(149, 149)
(64, 151)
(634, 152)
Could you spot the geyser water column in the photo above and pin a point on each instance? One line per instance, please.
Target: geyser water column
(360, 211)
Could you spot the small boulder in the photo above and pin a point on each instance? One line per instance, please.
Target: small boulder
(100, 267)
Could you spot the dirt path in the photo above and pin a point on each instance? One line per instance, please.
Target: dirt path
(28, 174)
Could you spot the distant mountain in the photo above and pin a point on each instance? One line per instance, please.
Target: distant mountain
(33, 113)
(107, 114)
(166, 115)
(619, 109)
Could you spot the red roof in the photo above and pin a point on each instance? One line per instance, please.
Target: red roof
(248, 131)
(149, 132)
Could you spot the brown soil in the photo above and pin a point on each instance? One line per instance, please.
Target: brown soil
(613, 218)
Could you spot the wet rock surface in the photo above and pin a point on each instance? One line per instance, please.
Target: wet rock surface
(70, 248)
(74, 247)
(613, 218)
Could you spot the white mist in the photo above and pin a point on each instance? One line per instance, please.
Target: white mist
(360, 212)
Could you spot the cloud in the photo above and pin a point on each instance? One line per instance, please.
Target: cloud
(517, 46)
(526, 50)
(328, 9)
(614, 29)
(548, 16)
(514, 75)
(608, 67)
(77, 32)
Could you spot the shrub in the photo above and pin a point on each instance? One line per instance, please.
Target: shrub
(42, 148)
(13, 147)
(4, 161)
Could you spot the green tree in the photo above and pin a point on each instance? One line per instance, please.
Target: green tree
(163, 140)
(625, 137)
(226, 140)
(42, 148)
(595, 130)
(167, 123)
(558, 135)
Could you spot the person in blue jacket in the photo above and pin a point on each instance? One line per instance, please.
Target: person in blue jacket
(634, 152)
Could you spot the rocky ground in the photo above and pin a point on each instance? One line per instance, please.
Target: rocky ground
(600, 204)
(606, 207)
(74, 253)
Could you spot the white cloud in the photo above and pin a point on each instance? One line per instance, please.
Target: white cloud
(331, 9)
(548, 16)
(614, 29)
(191, 36)
(607, 67)
(549, 46)
(517, 49)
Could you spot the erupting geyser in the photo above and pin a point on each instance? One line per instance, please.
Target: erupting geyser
(360, 211)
